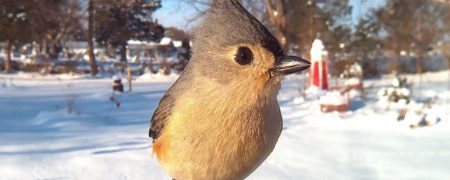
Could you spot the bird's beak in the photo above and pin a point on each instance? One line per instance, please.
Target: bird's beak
(289, 64)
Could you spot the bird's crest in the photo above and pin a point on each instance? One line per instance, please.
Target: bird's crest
(229, 23)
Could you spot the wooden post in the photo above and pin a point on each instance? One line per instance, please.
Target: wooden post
(129, 79)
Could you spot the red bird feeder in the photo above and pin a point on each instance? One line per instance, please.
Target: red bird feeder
(319, 68)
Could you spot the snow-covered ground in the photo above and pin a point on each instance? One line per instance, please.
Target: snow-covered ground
(40, 139)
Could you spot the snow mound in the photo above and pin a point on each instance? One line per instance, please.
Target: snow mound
(314, 91)
(353, 81)
(333, 98)
(158, 77)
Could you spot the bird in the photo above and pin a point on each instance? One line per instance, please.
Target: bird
(221, 118)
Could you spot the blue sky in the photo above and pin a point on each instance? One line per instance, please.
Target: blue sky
(176, 13)
(361, 7)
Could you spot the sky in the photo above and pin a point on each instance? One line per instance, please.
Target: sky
(361, 7)
(176, 13)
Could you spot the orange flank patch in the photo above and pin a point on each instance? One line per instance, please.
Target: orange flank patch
(159, 149)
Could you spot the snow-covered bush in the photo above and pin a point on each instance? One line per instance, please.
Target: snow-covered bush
(353, 71)
(397, 96)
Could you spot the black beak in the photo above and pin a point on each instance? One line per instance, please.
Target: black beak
(289, 64)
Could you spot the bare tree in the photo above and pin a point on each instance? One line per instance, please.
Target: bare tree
(412, 26)
(295, 23)
(15, 26)
(443, 1)
(54, 19)
(90, 38)
(364, 40)
(299, 22)
(119, 21)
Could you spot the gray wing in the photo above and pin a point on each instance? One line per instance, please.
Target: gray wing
(165, 107)
(161, 115)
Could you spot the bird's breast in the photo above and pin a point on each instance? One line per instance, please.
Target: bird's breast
(215, 138)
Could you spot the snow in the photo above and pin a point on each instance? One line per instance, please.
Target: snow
(433, 115)
(138, 42)
(165, 41)
(412, 117)
(353, 81)
(314, 91)
(333, 98)
(354, 93)
(177, 43)
(158, 77)
(40, 139)
(396, 83)
(318, 51)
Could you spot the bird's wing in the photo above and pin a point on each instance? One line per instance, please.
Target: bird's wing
(160, 116)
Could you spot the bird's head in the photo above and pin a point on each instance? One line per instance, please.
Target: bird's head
(231, 45)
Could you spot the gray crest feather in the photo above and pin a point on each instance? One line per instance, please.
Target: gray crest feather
(229, 23)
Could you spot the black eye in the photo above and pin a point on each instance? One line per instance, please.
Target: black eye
(244, 56)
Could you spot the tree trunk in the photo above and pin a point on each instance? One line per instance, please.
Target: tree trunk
(123, 53)
(396, 64)
(8, 63)
(307, 51)
(44, 48)
(419, 62)
(90, 37)
(53, 51)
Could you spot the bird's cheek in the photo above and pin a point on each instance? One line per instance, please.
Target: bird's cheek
(260, 74)
(260, 71)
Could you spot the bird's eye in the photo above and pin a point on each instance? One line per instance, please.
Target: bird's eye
(244, 56)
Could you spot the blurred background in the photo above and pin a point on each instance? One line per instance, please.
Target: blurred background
(80, 79)
(59, 36)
